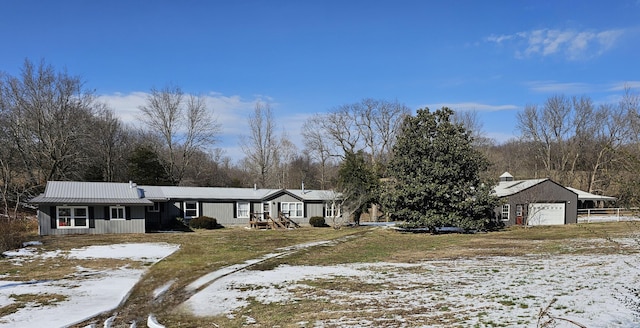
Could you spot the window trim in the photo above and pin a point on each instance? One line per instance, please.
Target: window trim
(295, 210)
(72, 217)
(332, 210)
(185, 209)
(154, 208)
(119, 208)
(240, 213)
(502, 212)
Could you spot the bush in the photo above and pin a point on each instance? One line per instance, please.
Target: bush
(317, 221)
(15, 231)
(203, 222)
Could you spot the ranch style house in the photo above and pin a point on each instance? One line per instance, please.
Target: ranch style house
(70, 207)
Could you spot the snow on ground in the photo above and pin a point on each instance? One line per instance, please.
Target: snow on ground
(606, 218)
(88, 292)
(504, 291)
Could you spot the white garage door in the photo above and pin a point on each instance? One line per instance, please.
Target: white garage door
(546, 214)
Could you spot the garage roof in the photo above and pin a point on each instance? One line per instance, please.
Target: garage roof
(583, 195)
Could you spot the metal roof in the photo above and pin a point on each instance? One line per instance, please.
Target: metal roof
(74, 192)
(41, 199)
(173, 192)
(222, 193)
(508, 188)
(583, 195)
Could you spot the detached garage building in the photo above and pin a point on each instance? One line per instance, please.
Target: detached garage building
(535, 202)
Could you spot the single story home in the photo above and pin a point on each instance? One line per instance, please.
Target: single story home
(71, 207)
(540, 201)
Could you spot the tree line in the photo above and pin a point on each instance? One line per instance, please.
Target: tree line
(54, 128)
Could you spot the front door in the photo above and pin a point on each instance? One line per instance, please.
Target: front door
(266, 210)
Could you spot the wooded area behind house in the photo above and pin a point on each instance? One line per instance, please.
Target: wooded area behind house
(54, 128)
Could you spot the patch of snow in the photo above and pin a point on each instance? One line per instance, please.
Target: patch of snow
(31, 243)
(144, 252)
(96, 292)
(504, 290)
(606, 218)
(162, 289)
(153, 323)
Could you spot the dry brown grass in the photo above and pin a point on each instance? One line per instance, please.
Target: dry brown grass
(205, 251)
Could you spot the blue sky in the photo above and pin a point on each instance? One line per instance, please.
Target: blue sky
(306, 57)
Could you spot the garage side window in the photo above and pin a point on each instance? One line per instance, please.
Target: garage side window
(72, 216)
(505, 212)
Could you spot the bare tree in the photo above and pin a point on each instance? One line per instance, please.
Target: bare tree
(261, 146)
(110, 147)
(471, 122)
(317, 144)
(370, 126)
(47, 117)
(184, 123)
(555, 131)
(287, 153)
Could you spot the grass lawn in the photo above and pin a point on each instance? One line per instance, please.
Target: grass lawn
(205, 251)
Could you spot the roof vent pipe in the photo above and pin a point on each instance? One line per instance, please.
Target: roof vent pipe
(303, 187)
(132, 184)
(255, 186)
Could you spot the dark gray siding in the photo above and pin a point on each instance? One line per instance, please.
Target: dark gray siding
(544, 192)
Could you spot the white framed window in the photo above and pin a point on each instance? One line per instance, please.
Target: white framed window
(117, 213)
(295, 210)
(504, 215)
(519, 210)
(332, 210)
(72, 217)
(190, 209)
(154, 208)
(242, 210)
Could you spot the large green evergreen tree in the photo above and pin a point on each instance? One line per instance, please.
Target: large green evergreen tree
(146, 168)
(435, 175)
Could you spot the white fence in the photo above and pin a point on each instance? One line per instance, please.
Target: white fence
(589, 215)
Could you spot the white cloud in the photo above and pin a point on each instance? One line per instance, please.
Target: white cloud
(125, 106)
(557, 87)
(468, 106)
(553, 87)
(231, 112)
(621, 86)
(572, 44)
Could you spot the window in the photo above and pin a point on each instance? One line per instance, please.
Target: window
(332, 210)
(154, 208)
(117, 212)
(505, 212)
(242, 210)
(72, 217)
(293, 209)
(190, 209)
(519, 208)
